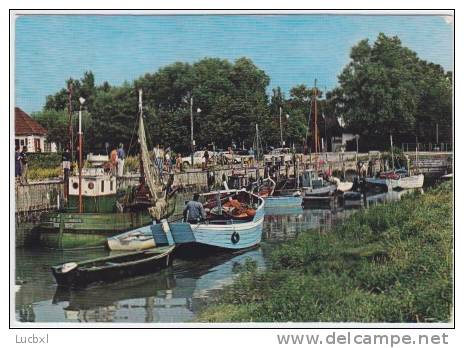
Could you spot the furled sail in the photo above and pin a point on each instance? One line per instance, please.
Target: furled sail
(152, 175)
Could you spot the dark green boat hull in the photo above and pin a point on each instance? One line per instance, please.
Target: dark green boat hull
(73, 230)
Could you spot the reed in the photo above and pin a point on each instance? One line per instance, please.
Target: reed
(391, 263)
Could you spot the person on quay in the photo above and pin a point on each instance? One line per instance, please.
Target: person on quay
(114, 161)
(179, 162)
(167, 159)
(23, 157)
(121, 156)
(194, 212)
(206, 156)
(17, 164)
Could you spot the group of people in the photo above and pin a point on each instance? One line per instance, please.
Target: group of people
(21, 165)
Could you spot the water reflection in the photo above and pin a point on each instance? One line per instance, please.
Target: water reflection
(173, 295)
(176, 294)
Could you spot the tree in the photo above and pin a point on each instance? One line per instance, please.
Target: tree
(56, 123)
(386, 89)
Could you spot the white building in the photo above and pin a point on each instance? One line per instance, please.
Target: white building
(28, 132)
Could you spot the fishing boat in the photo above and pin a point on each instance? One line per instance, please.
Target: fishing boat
(112, 268)
(400, 179)
(397, 180)
(234, 221)
(277, 197)
(315, 186)
(342, 186)
(97, 209)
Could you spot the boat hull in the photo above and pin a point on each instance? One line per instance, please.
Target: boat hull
(74, 230)
(225, 234)
(133, 240)
(407, 182)
(320, 192)
(81, 277)
(411, 182)
(283, 201)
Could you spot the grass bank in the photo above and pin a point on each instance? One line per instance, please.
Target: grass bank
(391, 263)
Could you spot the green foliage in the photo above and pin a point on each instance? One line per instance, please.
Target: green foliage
(56, 123)
(39, 173)
(43, 159)
(391, 263)
(387, 89)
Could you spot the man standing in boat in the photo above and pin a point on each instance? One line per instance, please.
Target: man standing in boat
(194, 211)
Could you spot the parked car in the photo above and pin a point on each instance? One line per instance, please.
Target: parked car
(238, 156)
(198, 158)
(278, 154)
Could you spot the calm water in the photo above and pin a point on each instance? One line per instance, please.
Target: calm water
(174, 295)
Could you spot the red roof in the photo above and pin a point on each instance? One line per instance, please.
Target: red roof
(26, 125)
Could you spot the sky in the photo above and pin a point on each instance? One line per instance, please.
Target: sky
(291, 49)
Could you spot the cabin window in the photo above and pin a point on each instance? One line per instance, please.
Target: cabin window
(102, 186)
(75, 185)
(111, 185)
(90, 186)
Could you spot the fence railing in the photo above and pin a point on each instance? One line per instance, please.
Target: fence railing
(444, 147)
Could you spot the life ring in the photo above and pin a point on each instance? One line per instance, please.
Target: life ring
(235, 238)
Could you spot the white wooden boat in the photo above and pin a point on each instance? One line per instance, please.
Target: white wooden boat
(225, 227)
(139, 239)
(342, 186)
(411, 182)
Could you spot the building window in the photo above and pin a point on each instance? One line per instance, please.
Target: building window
(16, 142)
(102, 186)
(111, 185)
(22, 142)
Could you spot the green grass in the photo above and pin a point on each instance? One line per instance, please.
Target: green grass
(391, 263)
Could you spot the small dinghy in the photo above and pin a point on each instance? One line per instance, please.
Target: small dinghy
(112, 268)
(139, 239)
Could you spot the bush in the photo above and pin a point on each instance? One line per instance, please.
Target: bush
(44, 159)
(391, 263)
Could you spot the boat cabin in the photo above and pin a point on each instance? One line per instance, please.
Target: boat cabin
(310, 178)
(238, 181)
(98, 192)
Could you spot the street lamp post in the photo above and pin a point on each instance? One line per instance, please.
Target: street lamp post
(192, 142)
(81, 101)
(357, 147)
(280, 123)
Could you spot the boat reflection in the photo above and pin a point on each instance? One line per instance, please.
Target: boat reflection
(174, 295)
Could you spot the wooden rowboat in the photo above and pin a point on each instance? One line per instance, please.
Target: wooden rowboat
(112, 268)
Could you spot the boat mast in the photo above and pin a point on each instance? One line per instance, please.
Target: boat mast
(316, 138)
(70, 138)
(70, 128)
(257, 143)
(391, 146)
(315, 128)
(142, 173)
